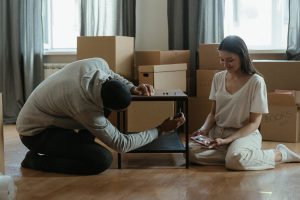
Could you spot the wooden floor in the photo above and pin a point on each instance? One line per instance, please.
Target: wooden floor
(152, 176)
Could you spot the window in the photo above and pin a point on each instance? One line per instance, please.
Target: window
(61, 23)
(262, 24)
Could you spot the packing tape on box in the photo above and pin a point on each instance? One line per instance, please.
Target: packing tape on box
(7, 188)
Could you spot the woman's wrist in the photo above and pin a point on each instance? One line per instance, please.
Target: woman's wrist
(203, 131)
(229, 140)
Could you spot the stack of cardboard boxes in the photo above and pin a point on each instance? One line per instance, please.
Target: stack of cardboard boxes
(162, 69)
(282, 122)
(160, 58)
(200, 106)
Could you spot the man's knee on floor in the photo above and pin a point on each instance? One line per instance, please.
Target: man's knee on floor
(102, 164)
(237, 160)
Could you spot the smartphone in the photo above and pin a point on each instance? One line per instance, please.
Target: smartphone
(203, 140)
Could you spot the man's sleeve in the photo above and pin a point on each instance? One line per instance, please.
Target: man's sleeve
(99, 126)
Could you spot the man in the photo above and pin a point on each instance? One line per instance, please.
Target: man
(64, 114)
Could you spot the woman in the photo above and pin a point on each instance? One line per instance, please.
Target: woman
(239, 98)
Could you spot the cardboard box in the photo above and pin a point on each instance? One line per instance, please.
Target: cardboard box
(143, 115)
(281, 124)
(204, 81)
(160, 58)
(279, 74)
(113, 118)
(199, 109)
(171, 76)
(209, 57)
(118, 51)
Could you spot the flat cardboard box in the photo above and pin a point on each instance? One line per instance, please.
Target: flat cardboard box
(279, 74)
(209, 57)
(144, 115)
(281, 124)
(160, 58)
(118, 51)
(199, 108)
(169, 76)
(204, 81)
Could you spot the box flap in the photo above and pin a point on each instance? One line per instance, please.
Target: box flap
(163, 68)
(296, 95)
(281, 99)
(292, 92)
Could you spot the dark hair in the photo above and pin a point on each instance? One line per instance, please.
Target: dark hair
(115, 95)
(236, 45)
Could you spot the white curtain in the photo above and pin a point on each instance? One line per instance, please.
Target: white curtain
(211, 21)
(100, 17)
(107, 17)
(21, 47)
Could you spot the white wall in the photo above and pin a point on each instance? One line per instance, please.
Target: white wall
(151, 25)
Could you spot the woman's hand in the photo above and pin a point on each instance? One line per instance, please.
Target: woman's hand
(220, 141)
(143, 89)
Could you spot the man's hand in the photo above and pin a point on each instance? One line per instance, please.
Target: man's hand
(171, 124)
(143, 89)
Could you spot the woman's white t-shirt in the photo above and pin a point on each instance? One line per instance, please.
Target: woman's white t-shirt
(233, 110)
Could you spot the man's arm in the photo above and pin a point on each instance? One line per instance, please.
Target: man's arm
(99, 126)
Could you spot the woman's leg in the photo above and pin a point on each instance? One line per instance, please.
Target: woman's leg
(246, 154)
(200, 155)
(65, 151)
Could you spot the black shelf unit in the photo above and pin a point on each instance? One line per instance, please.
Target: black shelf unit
(169, 143)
